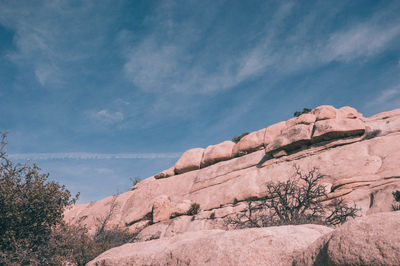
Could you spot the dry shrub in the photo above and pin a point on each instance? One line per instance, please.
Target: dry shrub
(299, 200)
(396, 196)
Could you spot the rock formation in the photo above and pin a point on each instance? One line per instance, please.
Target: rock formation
(261, 246)
(370, 240)
(359, 158)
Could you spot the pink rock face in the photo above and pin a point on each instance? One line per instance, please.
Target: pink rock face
(217, 153)
(324, 112)
(272, 132)
(189, 161)
(249, 143)
(370, 240)
(305, 119)
(355, 168)
(162, 208)
(347, 112)
(337, 128)
(257, 246)
(291, 138)
(166, 173)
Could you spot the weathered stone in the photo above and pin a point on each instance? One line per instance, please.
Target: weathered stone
(217, 153)
(383, 124)
(162, 208)
(272, 132)
(257, 246)
(291, 138)
(347, 112)
(370, 240)
(249, 143)
(305, 119)
(337, 128)
(189, 161)
(166, 173)
(324, 112)
(278, 153)
(182, 207)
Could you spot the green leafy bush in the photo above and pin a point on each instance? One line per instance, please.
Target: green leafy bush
(30, 209)
(32, 230)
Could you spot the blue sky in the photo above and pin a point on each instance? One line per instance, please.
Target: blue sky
(98, 92)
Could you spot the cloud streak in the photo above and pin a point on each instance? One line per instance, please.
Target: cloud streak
(164, 61)
(46, 35)
(107, 117)
(90, 156)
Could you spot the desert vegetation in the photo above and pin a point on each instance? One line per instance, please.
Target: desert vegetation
(236, 139)
(299, 113)
(396, 198)
(32, 230)
(299, 200)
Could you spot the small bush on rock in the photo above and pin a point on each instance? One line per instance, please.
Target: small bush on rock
(299, 113)
(194, 209)
(396, 196)
(299, 200)
(236, 139)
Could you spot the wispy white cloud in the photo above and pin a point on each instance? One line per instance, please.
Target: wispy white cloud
(386, 99)
(50, 36)
(165, 61)
(388, 94)
(107, 117)
(89, 156)
(359, 41)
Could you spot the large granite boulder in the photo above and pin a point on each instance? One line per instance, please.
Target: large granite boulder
(337, 128)
(166, 173)
(189, 161)
(217, 153)
(257, 246)
(370, 240)
(324, 112)
(252, 142)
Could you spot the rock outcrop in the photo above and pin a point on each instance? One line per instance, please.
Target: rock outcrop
(370, 240)
(261, 246)
(359, 158)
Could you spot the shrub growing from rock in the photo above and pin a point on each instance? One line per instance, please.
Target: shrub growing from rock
(299, 200)
(299, 113)
(236, 139)
(396, 196)
(194, 209)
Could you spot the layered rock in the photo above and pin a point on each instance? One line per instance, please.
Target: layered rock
(358, 157)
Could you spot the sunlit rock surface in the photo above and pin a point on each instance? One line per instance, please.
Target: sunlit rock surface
(359, 158)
